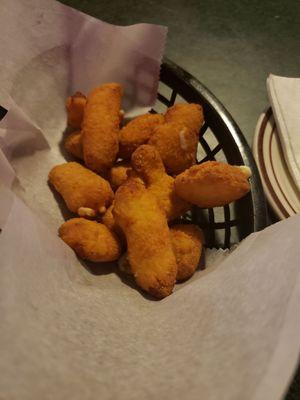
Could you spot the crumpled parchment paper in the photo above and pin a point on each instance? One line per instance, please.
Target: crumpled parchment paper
(71, 330)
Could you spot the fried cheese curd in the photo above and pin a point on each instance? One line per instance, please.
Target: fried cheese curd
(100, 127)
(177, 146)
(149, 246)
(147, 162)
(188, 114)
(75, 108)
(177, 139)
(90, 240)
(187, 242)
(118, 174)
(73, 144)
(109, 221)
(84, 192)
(137, 132)
(213, 184)
(108, 218)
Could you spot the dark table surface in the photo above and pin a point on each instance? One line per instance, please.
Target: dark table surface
(231, 46)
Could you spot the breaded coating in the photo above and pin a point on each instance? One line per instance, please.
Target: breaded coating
(134, 175)
(75, 108)
(108, 218)
(177, 146)
(124, 265)
(109, 221)
(187, 241)
(212, 184)
(118, 174)
(81, 188)
(145, 226)
(137, 132)
(90, 240)
(188, 114)
(147, 162)
(100, 127)
(73, 144)
(177, 139)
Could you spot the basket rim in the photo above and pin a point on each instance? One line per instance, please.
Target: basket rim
(260, 216)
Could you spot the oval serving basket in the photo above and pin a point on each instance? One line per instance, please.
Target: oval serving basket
(220, 139)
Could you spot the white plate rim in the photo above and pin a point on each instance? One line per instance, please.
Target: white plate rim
(264, 123)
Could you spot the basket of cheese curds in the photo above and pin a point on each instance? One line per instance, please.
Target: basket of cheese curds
(152, 192)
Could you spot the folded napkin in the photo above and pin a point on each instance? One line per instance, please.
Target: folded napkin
(284, 96)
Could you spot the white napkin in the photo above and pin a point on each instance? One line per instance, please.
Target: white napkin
(18, 135)
(284, 96)
(231, 333)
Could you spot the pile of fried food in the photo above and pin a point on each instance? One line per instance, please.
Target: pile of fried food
(131, 182)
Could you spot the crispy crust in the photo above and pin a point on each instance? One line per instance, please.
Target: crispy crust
(75, 108)
(177, 146)
(73, 144)
(90, 240)
(100, 127)
(187, 241)
(137, 132)
(108, 220)
(118, 174)
(188, 114)
(147, 162)
(150, 255)
(212, 184)
(81, 187)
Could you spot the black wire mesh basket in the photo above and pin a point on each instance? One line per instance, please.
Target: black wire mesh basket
(220, 139)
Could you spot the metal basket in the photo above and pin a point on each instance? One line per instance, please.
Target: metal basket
(220, 139)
